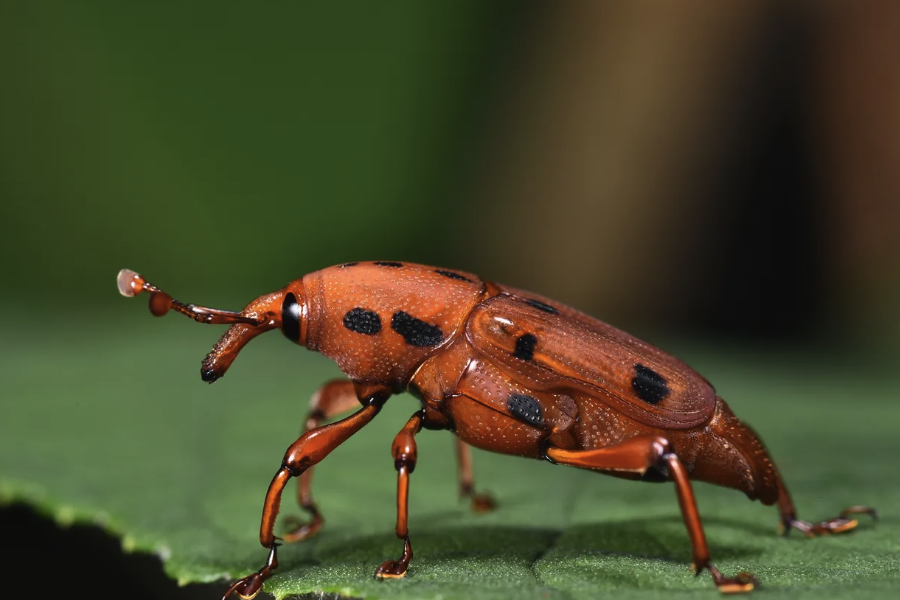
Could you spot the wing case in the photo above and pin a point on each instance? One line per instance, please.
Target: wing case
(554, 347)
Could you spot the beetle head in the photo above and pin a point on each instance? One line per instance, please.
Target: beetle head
(285, 309)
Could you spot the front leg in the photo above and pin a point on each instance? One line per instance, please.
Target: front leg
(332, 399)
(310, 449)
(405, 456)
(637, 455)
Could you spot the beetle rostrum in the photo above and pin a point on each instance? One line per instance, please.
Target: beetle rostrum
(487, 366)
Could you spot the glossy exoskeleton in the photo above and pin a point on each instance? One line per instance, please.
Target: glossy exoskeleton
(507, 371)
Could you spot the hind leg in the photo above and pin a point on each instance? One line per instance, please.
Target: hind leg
(839, 524)
(637, 455)
(735, 448)
(482, 502)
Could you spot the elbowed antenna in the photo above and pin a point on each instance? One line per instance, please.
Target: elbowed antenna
(261, 315)
(131, 284)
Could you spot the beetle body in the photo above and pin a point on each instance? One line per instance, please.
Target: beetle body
(507, 371)
(510, 371)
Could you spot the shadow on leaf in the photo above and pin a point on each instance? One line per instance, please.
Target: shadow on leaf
(438, 548)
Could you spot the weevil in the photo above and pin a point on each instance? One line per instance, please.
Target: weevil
(505, 370)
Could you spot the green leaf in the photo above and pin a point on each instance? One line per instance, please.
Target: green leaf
(109, 423)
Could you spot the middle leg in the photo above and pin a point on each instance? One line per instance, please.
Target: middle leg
(404, 452)
(334, 398)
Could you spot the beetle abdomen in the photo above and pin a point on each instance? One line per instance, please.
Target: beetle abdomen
(734, 456)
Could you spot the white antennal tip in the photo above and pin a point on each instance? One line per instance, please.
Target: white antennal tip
(128, 283)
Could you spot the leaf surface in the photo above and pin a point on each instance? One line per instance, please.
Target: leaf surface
(114, 427)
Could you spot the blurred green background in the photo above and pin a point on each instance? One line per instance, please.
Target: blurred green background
(226, 150)
(713, 176)
(696, 168)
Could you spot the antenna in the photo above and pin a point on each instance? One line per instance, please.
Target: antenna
(131, 284)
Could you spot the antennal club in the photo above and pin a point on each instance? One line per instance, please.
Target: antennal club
(131, 284)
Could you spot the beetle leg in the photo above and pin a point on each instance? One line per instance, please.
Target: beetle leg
(637, 455)
(404, 453)
(839, 524)
(310, 449)
(334, 398)
(483, 502)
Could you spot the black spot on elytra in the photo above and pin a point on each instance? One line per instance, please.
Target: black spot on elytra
(649, 385)
(525, 346)
(541, 306)
(353, 264)
(363, 321)
(525, 408)
(452, 275)
(290, 317)
(388, 263)
(415, 331)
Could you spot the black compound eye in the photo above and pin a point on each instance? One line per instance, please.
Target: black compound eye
(650, 386)
(362, 321)
(290, 317)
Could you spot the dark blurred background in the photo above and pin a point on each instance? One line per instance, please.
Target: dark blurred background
(705, 170)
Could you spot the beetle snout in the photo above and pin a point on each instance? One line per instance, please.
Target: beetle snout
(226, 350)
(264, 312)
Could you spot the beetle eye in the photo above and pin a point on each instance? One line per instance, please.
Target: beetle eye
(290, 317)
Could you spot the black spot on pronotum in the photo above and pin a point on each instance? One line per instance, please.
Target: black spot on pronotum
(415, 331)
(452, 275)
(362, 321)
(649, 385)
(525, 408)
(290, 317)
(541, 306)
(353, 264)
(525, 346)
(388, 263)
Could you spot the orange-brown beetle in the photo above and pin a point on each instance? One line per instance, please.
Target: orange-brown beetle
(507, 371)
